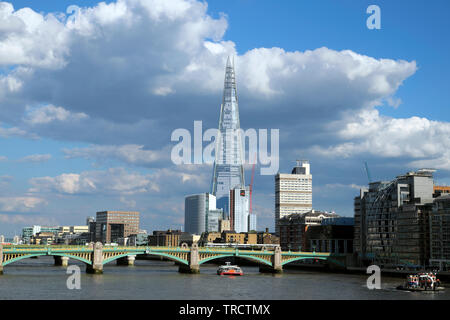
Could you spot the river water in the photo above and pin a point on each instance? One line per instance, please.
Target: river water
(40, 279)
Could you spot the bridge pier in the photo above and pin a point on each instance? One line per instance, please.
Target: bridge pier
(276, 267)
(188, 269)
(97, 260)
(61, 261)
(126, 261)
(193, 266)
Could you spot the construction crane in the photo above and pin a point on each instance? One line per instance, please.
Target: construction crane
(368, 172)
(251, 185)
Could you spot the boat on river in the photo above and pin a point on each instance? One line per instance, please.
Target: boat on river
(228, 269)
(422, 282)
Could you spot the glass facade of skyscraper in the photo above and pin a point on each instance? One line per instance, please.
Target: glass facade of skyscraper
(228, 166)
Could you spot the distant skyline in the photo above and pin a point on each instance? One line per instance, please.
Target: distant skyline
(88, 100)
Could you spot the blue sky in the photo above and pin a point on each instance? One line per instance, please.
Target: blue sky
(88, 105)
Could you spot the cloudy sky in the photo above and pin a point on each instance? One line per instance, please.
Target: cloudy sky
(91, 92)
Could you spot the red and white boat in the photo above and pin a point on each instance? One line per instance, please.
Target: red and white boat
(229, 270)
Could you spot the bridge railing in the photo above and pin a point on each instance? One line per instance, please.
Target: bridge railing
(18, 248)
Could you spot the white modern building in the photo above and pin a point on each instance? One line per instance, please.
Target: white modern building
(201, 214)
(293, 192)
(239, 209)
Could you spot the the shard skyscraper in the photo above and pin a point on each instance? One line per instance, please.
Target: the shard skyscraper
(228, 166)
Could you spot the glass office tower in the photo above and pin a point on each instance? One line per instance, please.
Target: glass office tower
(228, 166)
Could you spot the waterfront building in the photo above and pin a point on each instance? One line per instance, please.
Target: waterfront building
(29, 232)
(112, 225)
(64, 229)
(333, 235)
(201, 214)
(251, 238)
(43, 238)
(293, 192)
(212, 237)
(90, 222)
(228, 171)
(189, 239)
(293, 227)
(239, 209)
(139, 239)
(168, 238)
(440, 233)
(60, 234)
(229, 237)
(79, 229)
(265, 237)
(72, 230)
(233, 237)
(392, 218)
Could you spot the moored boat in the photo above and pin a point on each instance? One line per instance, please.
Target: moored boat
(228, 269)
(422, 282)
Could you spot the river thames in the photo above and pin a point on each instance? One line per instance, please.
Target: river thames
(40, 279)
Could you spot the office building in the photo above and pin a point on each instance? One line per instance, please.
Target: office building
(228, 171)
(112, 225)
(29, 232)
(90, 222)
(213, 220)
(293, 228)
(43, 238)
(392, 220)
(440, 233)
(334, 235)
(252, 222)
(293, 192)
(239, 209)
(201, 214)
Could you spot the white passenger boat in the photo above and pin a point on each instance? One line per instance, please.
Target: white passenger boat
(228, 269)
(422, 282)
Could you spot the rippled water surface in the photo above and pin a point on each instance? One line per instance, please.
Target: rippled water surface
(40, 279)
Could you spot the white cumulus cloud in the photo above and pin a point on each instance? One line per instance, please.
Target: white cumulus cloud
(20, 204)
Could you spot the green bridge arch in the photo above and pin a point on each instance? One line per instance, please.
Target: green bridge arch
(168, 256)
(250, 258)
(31, 255)
(304, 258)
(160, 254)
(111, 259)
(328, 259)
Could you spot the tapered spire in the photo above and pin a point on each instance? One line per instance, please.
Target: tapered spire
(228, 167)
